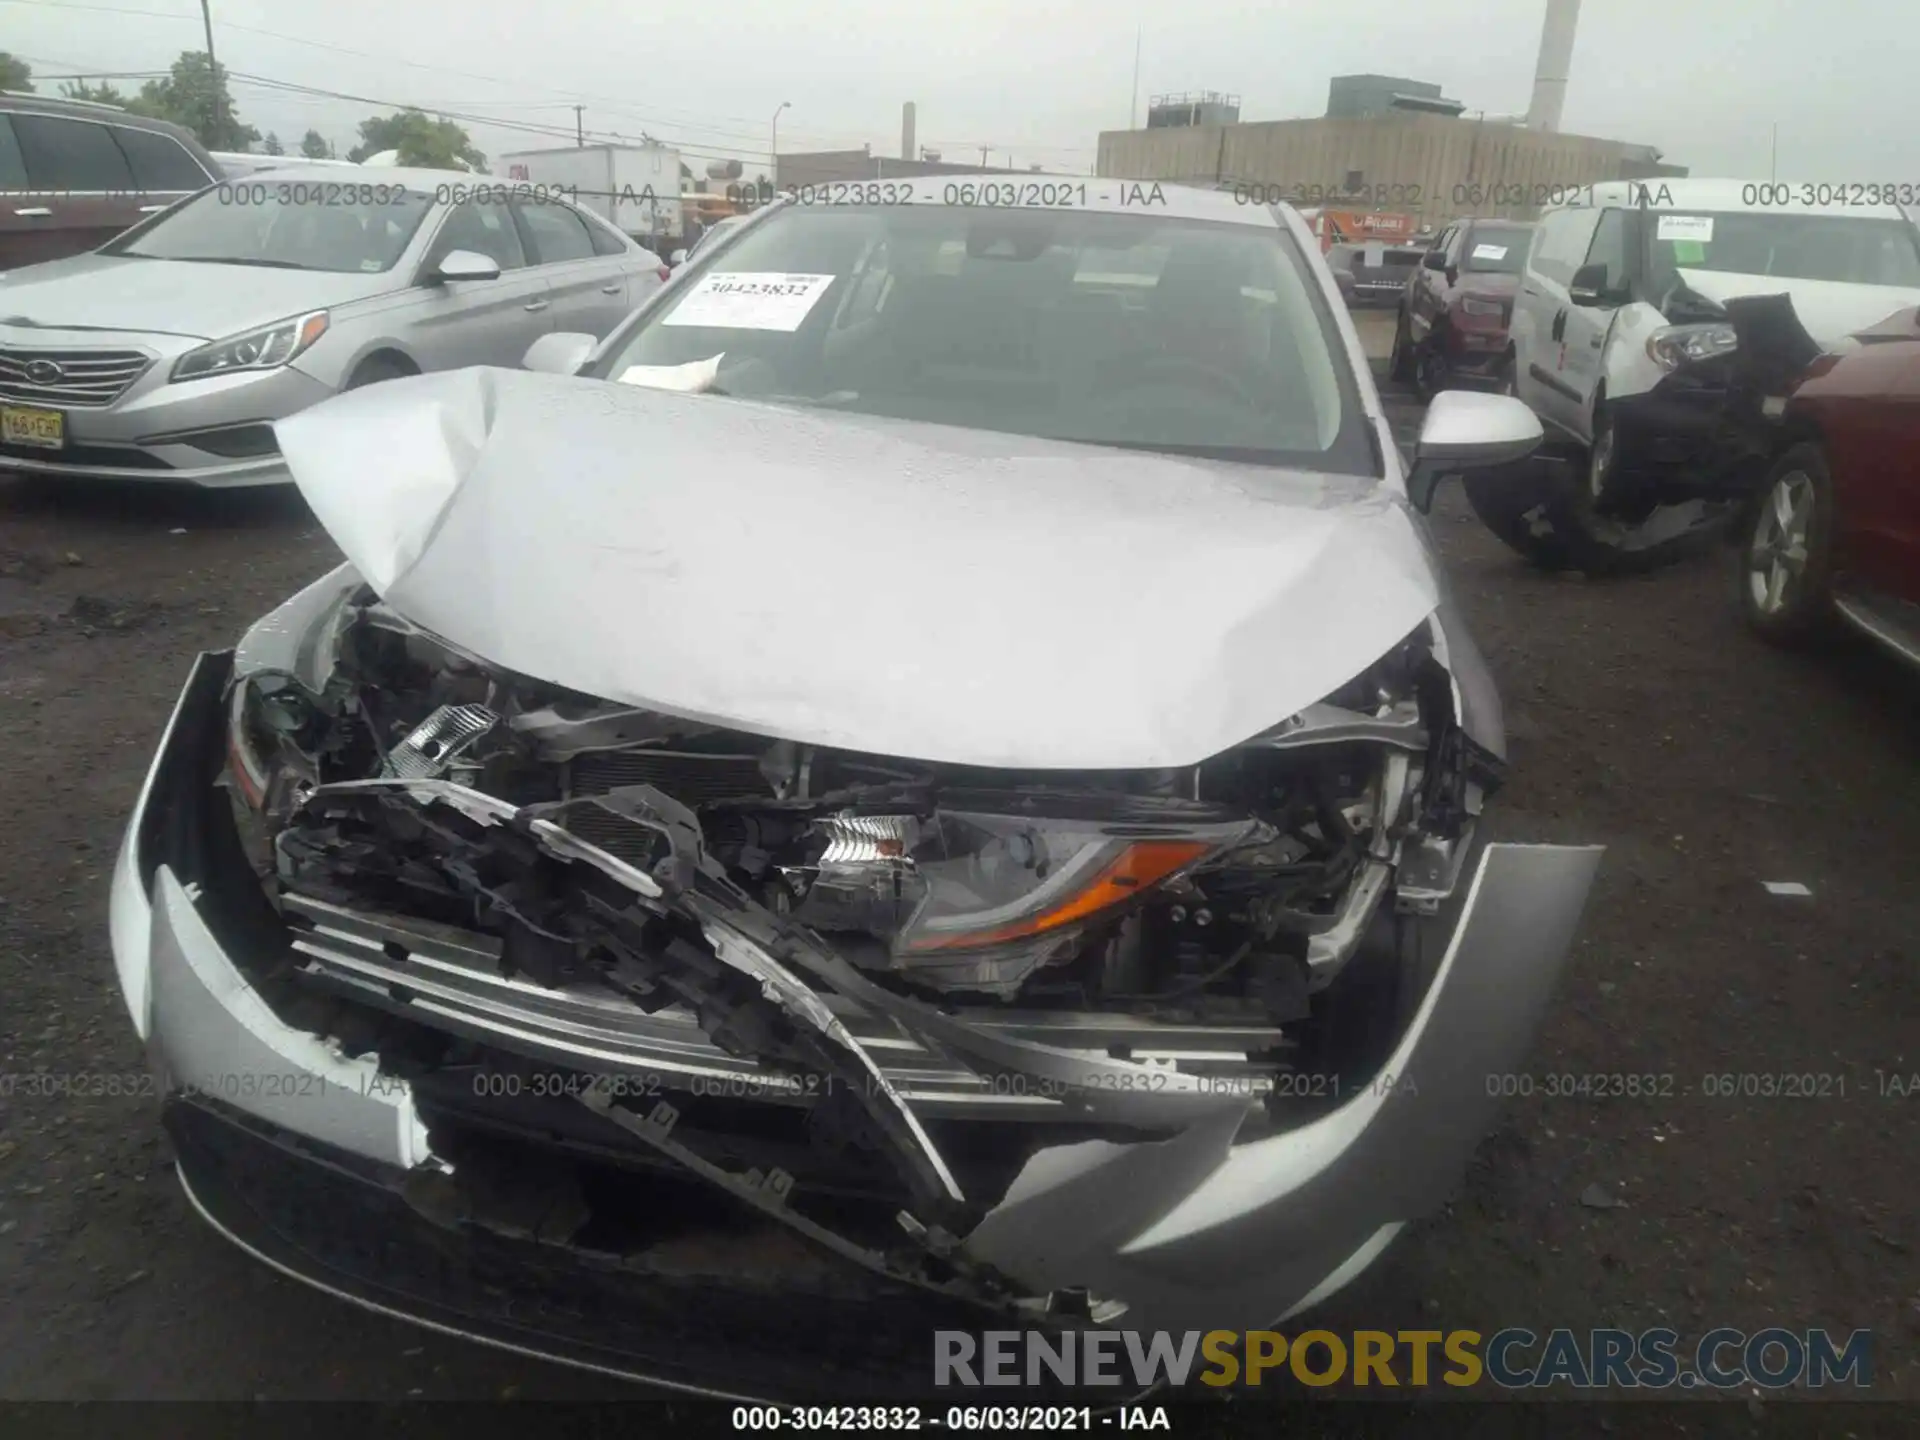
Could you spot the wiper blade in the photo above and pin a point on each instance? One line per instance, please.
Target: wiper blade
(1247, 453)
(218, 260)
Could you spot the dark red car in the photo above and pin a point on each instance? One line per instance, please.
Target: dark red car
(1452, 328)
(1836, 528)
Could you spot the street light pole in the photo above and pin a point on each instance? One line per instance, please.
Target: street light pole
(773, 144)
(213, 70)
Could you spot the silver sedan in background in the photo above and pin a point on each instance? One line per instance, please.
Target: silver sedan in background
(168, 353)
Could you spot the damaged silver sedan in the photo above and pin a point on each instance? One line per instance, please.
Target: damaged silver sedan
(932, 782)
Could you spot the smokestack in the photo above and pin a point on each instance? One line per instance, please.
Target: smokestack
(906, 131)
(1556, 61)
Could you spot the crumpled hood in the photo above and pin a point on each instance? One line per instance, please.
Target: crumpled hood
(1830, 310)
(884, 586)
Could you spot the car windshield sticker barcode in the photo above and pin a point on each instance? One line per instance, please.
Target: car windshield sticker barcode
(742, 300)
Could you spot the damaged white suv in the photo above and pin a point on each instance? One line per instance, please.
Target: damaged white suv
(946, 731)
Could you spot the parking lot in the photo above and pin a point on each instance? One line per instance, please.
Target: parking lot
(1641, 715)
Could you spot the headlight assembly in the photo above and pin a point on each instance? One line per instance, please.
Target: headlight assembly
(1677, 345)
(269, 715)
(962, 881)
(267, 348)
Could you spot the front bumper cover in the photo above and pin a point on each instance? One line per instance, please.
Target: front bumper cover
(148, 434)
(1194, 1231)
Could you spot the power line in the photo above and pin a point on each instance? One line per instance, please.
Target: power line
(292, 90)
(605, 103)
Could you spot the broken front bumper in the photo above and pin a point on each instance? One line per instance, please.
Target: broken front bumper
(1190, 1231)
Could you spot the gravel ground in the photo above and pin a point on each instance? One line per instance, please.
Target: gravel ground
(1642, 716)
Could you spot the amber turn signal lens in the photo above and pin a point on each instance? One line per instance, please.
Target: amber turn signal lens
(1131, 873)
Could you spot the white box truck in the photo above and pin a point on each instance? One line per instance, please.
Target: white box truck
(637, 187)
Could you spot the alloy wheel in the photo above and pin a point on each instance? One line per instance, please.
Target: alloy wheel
(1600, 464)
(1777, 558)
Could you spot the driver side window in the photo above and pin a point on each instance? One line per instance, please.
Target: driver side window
(484, 227)
(1609, 248)
(1563, 239)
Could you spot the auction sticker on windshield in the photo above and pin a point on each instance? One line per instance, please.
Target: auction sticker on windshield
(750, 300)
(1684, 227)
(1489, 252)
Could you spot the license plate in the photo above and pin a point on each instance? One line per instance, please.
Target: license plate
(42, 429)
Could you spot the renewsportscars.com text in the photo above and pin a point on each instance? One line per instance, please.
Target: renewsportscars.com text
(1774, 1358)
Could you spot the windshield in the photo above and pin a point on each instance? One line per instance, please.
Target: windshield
(1496, 249)
(1132, 329)
(1788, 246)
(289, 225)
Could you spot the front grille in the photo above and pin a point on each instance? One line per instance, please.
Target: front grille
(692, 778)
(86, 378)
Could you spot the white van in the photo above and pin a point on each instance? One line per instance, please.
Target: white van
(1626, 331)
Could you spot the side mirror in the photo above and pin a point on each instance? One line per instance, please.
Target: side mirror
(466, 265)
(1436, 260)
(677, 259)
(559, 352)
(1589, 286)
(1465, 430)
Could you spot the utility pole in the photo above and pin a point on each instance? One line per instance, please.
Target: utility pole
(983, 157)
(213, 70)
(1773, 155)
(579, 127)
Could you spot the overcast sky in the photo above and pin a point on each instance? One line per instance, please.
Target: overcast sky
(1705, 82)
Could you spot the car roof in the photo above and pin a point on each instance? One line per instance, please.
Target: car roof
(1105, 193)
(16, 101)
(1759, 197)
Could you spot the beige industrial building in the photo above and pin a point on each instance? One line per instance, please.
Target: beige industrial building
(1389, 144)
(1435, 166)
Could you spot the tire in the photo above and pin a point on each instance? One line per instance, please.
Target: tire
(1431, 373)
(1503, 381)
(376, 368)
(1786, 555)
(1602, 469)
(1400, 364)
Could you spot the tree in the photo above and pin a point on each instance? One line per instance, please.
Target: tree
(15, 73)
(314, 146)
(195, 95)
(272, 145)
(434, 144)
(101, 94)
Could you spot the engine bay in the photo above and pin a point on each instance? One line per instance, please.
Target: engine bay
(1194, 894)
